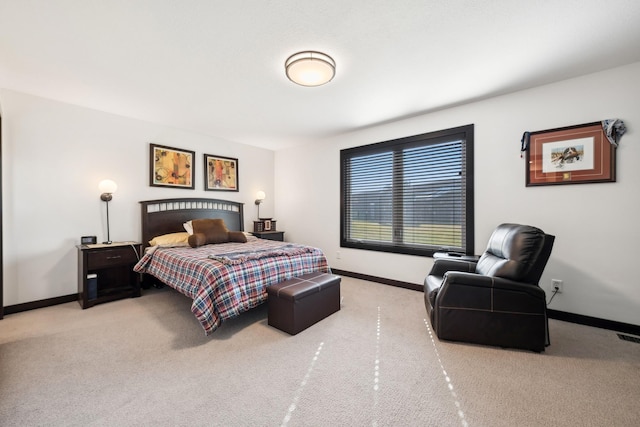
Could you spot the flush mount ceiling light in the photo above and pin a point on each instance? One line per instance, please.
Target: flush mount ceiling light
(310, 68)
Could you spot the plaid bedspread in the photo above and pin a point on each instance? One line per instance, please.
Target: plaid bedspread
(221, 290)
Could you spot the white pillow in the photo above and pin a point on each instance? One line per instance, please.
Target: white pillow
(188, 227)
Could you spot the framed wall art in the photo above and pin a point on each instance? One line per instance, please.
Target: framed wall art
(570, 155)
(171, 167)
(221, 173)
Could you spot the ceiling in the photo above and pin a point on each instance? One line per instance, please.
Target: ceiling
(217, 67)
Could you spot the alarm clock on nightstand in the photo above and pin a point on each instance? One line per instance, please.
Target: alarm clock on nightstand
(88, 240)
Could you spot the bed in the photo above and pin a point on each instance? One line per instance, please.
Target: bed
(222, 280)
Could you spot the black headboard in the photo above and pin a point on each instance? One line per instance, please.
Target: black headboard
(167, 215)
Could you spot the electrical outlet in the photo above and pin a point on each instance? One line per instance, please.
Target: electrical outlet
(338, 255)
(556, 285)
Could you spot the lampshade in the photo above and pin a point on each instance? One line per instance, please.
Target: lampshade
(310, 68)
(260, 196)
(107, 186)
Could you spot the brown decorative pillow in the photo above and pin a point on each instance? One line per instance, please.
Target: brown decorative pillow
(237, 236)
(214, 230)
(197, 239)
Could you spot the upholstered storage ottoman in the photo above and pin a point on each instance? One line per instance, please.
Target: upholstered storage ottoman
(299, 302)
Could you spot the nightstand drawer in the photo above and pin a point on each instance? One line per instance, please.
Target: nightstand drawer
(110, 257)
(270, 235)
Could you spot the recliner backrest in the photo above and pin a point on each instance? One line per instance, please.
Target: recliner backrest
(513, 253)
(541, 261)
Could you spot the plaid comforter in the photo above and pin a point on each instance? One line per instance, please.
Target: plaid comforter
(221, 290)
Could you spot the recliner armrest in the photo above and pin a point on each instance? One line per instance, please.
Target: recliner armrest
(470, 290)
(473, 279)
(443, 265)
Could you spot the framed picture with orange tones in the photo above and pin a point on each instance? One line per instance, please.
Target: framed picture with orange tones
(221, 173)
(171, 167)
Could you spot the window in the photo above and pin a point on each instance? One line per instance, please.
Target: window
(411, 195)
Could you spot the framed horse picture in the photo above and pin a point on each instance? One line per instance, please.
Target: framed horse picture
(570, 155)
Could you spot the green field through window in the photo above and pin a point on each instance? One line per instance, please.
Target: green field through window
(426, 234)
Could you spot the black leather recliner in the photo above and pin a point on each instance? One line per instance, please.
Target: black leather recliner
(496, 300)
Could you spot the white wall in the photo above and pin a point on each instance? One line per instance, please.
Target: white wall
(596, 225)
(54, 156)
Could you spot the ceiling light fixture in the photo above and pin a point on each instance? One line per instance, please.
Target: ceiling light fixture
(310, 68)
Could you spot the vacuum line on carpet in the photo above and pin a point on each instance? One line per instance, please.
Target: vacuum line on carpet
(376, 373)
(446, 377)
(303, 383)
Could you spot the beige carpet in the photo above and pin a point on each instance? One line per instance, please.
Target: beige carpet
(146, 361)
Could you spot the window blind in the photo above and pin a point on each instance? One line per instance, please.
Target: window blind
(412, 195)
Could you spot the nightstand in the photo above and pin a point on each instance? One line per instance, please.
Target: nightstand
(105, 272)
(270, 235)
